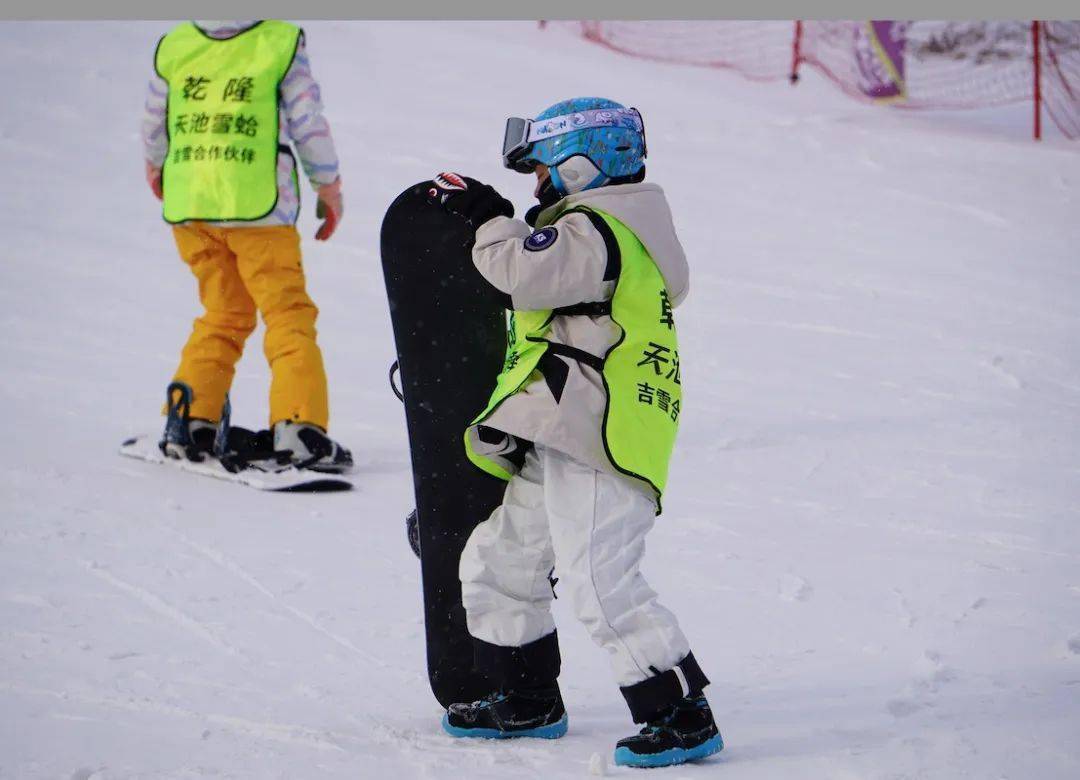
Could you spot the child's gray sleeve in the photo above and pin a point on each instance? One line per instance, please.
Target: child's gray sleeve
(563, 264)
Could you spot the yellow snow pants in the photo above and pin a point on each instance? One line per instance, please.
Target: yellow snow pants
(242, 270)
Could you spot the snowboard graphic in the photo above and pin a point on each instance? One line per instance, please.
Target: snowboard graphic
(450, 333)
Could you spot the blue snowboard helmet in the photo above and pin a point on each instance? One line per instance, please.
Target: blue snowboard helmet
(607, 134)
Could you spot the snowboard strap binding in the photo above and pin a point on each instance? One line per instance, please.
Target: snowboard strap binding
(221, 437)
(234, 447)
(176, 441)
(244, 447)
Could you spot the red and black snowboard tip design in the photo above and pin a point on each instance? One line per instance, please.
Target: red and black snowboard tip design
(446, 183)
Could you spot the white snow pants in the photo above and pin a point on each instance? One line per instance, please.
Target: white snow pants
(591, 527)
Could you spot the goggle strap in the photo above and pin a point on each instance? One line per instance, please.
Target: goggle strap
(582, 120)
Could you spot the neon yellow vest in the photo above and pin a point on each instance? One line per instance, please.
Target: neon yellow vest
(222, 120)
(641, 372)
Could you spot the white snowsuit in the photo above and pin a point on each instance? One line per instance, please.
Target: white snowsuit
(567, 508)
(590, 527)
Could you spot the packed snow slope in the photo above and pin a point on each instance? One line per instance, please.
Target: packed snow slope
(871, 529)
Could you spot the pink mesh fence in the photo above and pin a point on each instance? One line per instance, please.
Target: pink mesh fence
(915, 65)
(1061, 75)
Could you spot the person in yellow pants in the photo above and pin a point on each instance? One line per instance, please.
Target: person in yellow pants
(227, 102)
(241, 271)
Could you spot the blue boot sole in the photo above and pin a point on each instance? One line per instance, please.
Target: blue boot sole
(626, 757)
(551, 731)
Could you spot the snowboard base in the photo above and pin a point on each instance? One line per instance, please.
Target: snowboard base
(261, 475)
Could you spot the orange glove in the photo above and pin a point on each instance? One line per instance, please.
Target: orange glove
(153, 178)
(329, 209)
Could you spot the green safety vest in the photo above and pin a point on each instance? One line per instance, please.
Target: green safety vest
(222, 120)
(640, 372)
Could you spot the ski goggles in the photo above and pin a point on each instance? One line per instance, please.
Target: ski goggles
(521, 134)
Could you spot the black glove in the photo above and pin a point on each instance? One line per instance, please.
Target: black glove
(468, 199)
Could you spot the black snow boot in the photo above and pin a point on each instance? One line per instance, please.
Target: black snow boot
(681, 733)
(524, 712)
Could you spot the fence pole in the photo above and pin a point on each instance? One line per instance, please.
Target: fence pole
(1037, 73)
(796, 51)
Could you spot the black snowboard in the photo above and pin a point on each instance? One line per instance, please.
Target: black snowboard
(450, 332)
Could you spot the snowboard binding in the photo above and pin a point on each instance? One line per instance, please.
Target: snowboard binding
(195, 439)
(184, 436)
(227, 452)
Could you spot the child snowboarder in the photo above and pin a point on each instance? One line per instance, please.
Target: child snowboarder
(581, 424)
(224, 103)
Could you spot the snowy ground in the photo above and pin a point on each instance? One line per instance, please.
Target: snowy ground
(871, 531)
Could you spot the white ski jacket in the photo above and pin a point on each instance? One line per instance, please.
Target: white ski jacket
(575, 267)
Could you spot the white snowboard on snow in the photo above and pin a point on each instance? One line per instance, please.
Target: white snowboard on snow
(261, 475)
